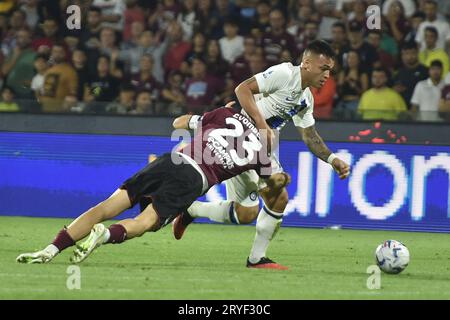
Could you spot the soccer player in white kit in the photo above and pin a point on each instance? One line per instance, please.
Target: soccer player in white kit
(284, 94)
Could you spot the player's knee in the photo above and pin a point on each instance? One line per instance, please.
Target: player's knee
(246, 215)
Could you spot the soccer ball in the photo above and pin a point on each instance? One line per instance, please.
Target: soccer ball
(392, 256)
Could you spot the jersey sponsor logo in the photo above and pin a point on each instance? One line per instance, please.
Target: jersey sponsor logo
(267, 74)
(278, 122)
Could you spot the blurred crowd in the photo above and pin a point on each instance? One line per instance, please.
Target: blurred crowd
(168, 57)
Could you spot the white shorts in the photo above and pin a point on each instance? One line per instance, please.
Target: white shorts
(244, 188)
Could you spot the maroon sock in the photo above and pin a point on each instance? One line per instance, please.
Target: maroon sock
(63, 240)
(117, 233)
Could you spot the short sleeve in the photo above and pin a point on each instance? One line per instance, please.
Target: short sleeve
(305, 119)
(273, 78)
(416, 95)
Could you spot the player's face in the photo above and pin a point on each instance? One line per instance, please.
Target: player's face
(319, 68)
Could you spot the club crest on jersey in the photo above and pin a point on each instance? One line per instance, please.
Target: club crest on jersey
(267, 74)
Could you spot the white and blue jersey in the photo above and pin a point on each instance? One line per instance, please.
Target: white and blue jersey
(282, 98)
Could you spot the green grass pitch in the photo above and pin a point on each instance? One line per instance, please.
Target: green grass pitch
(209, 263)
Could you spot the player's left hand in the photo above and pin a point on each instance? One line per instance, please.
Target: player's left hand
(342, 168)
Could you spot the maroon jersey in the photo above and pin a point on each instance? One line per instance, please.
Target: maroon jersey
(227, 145)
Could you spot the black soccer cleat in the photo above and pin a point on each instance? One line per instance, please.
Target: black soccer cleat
(181, 223)
(266, 263)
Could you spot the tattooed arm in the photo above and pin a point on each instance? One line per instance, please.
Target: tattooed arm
(244, 92)
(316, 145)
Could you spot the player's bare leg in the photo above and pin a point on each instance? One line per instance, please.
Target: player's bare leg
(126, 229)
(275, 198)
(80, 227)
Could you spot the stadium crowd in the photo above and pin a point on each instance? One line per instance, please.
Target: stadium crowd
(168, 57)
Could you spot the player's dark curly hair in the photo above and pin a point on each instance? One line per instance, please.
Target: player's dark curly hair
(320, 47)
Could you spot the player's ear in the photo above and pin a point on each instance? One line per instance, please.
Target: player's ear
(306, 64)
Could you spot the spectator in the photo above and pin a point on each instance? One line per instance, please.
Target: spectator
(133, 18)
(447, 78)
(148, 44)
(198, 49)
(232, 44)
(201, 89)
(125, 102)
(431, 52)
(339, 42)
(134, 34)
(223, 11)
(173, 95)
(178, 49)
(261, 22)
(352, 83)
(384, 59)
(41, 66)
(7, 103)
(112, 13)
(50, 37)
(204, 13)
(144, 80)
(358, 15)
(408, 7)
(442, 27)
(187, 18)
(257, 63)
(397, 23)
(277, 40)
(365, 51)
(324, 99)
(107, 45)
(79, 64)
(415, 20)
(240, 69)
(328, 18)
(18, 67)
(90, 33)
(50, 9)
(102, 87)
(17, 22)
(31, 11)
(444, 103)
(305, 36)
(60, 83)
(144, 104)
(425, 99)
(215, 63)
(410, 73)
(381, 102)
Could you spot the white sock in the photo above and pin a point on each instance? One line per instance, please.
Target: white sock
(267, 225)
(52, 249)
(106, 236)
(222, 211)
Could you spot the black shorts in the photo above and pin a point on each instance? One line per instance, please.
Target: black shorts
(171, 188)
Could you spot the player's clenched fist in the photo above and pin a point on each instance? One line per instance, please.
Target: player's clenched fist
(341, 167)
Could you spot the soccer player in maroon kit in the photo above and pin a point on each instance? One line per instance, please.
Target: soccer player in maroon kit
(227, 145)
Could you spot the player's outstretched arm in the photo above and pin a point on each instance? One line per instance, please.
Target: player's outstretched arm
(182, 122)
(316, 145)
(244, 92)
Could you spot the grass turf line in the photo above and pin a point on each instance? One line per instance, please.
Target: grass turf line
(209, 263)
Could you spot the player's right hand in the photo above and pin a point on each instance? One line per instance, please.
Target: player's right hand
(269, 137)
(341, 167)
